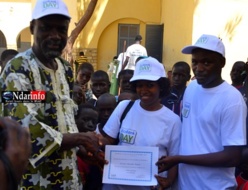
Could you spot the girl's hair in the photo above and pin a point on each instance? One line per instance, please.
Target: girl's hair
(163, 83)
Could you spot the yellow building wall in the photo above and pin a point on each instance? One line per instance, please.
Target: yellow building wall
(102, 29)
(107, 45)
(177, 17)
(184, 21)
(109, 11)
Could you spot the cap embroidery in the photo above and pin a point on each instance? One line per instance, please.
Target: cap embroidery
(145, 68)
(202, 40)
(50, 4)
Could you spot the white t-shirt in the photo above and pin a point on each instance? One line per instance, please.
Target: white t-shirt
(212, 118)
(133, 52)
(121, 58)
(159, 128)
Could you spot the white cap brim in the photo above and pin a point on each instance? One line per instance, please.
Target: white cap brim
(189, 49)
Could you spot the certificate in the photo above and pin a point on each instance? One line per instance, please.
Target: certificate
(130, 165)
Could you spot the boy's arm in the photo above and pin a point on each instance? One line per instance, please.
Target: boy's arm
(229, 157)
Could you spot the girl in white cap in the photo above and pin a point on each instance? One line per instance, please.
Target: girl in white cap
(148, 123)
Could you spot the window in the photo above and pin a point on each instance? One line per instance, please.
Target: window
(154, 41)
(126, 32)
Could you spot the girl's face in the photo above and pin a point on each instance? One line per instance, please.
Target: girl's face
(148, 91)
(83, 76)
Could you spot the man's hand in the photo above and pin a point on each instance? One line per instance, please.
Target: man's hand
(93, 159)
(90, 148)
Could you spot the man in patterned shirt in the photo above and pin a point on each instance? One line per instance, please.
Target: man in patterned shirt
(53, 131)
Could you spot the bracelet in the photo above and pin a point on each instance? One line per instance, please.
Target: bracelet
(12, 180)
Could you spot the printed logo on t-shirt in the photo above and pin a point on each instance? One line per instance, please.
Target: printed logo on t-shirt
(127, 135)
(186, 109)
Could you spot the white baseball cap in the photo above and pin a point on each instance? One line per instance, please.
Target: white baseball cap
(50, 7)
(148, 69)
(208, 42)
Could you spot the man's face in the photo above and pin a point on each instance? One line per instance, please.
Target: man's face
(50, 36)
(207, 66)
(180, 76)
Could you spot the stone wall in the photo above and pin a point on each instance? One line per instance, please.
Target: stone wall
(90, 53)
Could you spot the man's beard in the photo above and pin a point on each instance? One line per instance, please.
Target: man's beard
(51, 53)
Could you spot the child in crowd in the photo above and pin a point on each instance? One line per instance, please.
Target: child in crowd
(237, 75)
(78, 94)
(7, 55)
(84, 72)
(100, 84)
(124, 80)
(179, 78)
(86, 120)
(105, 105)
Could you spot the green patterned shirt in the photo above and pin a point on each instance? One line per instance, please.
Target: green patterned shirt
(49, 167)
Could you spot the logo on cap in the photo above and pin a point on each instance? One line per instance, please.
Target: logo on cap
(50, 4)
(202, 40)
(145, 68)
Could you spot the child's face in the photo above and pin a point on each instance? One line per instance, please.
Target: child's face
(235, 74)
(125, 85)
(179, 77)
(87, 120)
(105, 109)
(83, 76)
(99, 86)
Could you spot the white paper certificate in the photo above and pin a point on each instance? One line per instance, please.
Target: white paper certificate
(130, 165)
